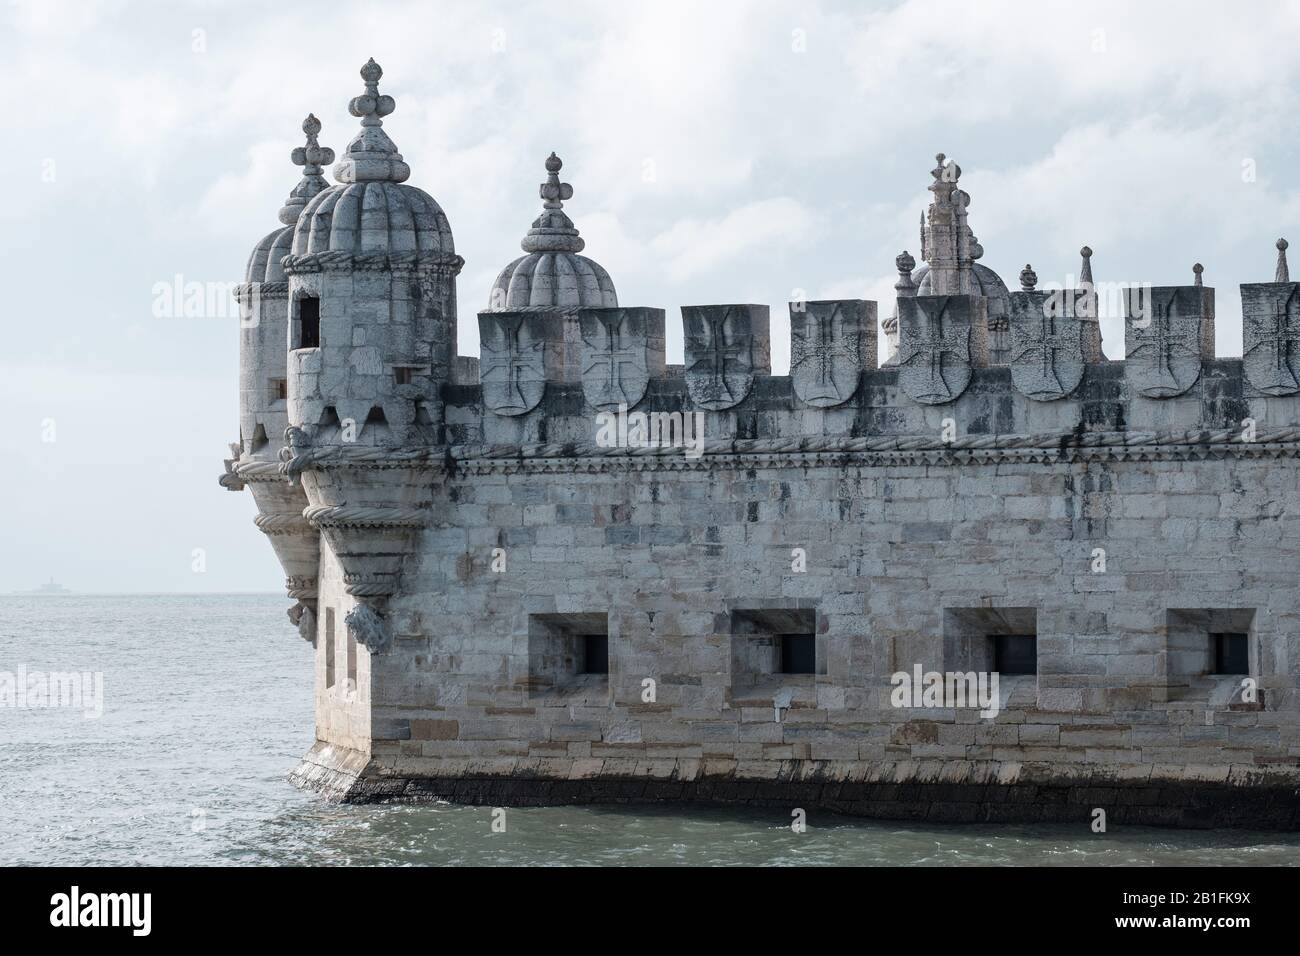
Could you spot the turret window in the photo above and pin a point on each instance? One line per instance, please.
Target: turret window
(279, 389)
(308, 323)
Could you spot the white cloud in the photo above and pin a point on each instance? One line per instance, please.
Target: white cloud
(693, 246)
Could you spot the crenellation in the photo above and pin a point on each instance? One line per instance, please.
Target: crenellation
(566, 569)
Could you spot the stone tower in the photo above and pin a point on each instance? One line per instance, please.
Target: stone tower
(263, 391)
(586, 574)
(372, 297)
(951, 253)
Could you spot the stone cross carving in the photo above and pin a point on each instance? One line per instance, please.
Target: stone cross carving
(1164, 347)
(830, 344)
(620, 349)
(1047, 354)
(513, 361)
(313, 158)
(371, 156)
(1271, 336)
(938, 346)
(725, 345)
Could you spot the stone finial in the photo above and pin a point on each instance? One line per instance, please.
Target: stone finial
(313, 158)
(553, 191)
(371, 156)
(1197, 269)
(945, 172)
(1085, 270)
(1028, 278)
(553, 230)
(905, 264)
(1283, 274)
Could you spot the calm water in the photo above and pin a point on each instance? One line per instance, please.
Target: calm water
(207, 707)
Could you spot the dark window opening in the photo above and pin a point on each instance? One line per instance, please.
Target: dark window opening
(1015, 653)
(798, 654)
(376, 416)
(279, 389)
(309, 323)
(402, 375)
(329, 647)
(595, 654)
(1231, 654)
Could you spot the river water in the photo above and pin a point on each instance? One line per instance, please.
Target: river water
(206, 706)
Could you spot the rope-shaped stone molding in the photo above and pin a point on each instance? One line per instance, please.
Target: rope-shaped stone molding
(368, 588)
(254, 469)
(283, 522)
(326, 516)
(300, 586)
(1053, 442)
(904, 449)
(246, 291)
(339, 260)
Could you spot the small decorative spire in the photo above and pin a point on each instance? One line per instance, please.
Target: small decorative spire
(313, 158)
(1028, 278)
(1085, 271)
(553, 230)
(371, 156)
(1197, 269)
(905, 264)
(945, 171)
(1283, 274)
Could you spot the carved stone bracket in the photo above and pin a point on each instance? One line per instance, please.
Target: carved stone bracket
(369, 627)
(303, 616)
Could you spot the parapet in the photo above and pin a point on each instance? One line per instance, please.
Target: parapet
(548, 376)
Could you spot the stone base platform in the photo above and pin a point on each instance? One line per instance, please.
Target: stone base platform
(930, 792)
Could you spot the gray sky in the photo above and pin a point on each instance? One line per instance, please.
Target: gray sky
(719, 152)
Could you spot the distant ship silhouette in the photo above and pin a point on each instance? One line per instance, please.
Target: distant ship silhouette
(50, 587)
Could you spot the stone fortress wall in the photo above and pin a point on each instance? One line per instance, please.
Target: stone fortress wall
(516, 598)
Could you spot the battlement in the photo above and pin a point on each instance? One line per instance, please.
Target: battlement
(556, 376)
(497, 557)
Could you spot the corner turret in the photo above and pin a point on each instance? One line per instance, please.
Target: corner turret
(372, 297)
(552, 276)
(263, 391)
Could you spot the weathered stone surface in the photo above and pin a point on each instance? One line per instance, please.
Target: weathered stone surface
(1270, 315)
(621, 348)
(1047, 346)
(1165, 338)
(726, 345)
(831, 343)
(941, 339)
(468, 558)
(513, 359)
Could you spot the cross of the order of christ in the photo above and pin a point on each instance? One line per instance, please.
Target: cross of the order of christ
(1161, 337)
(613, 355)
(512, 360)
(1277, 337)
(715, 351)
(1051, 340)
(934, 342)
(820, 345)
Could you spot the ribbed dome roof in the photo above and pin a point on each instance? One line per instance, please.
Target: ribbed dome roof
(551, 280)
(264, 263)
(371, 210)
(552, 275)
(990, 283)
(366, 217)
